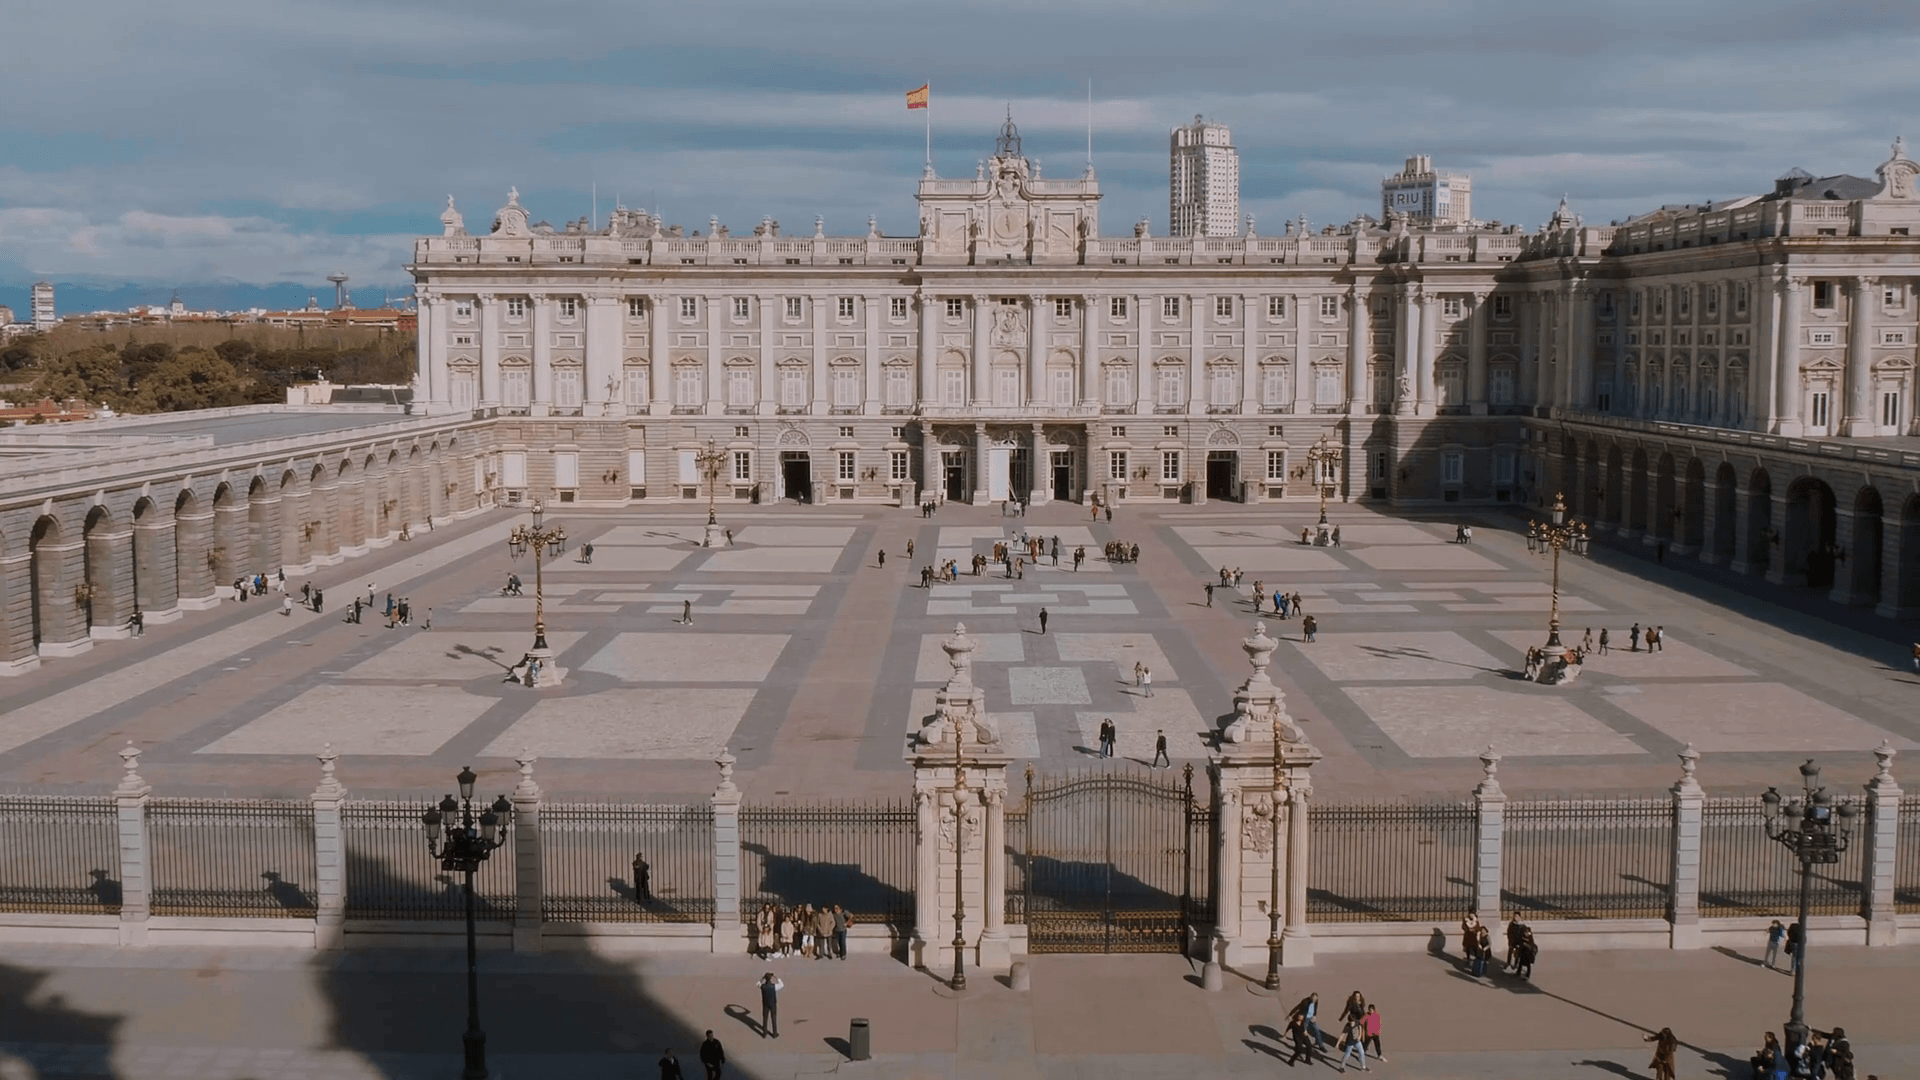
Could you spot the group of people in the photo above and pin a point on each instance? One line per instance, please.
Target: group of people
(1359, 1031)
(1476, 945)
(1333, 536)
(1120, 551)
(816, 933)
(1109, 734)
(1823, 1051)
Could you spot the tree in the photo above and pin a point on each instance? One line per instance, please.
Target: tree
(90, 374)
(192, 379)
(235, 351)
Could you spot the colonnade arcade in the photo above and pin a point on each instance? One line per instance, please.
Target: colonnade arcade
(75, 568)
(1846, 528)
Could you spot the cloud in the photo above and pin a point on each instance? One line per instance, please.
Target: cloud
(268, 140)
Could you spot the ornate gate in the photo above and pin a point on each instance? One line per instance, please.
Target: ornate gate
(1114, 862)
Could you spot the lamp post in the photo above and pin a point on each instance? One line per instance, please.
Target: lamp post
(538, 538)
(1323, 458)
(711, 461)
(1273, 889)
(959, 862)
(1556, 534)
(462, 841)
(1817, 838)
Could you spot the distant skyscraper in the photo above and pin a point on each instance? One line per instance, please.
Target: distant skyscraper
(43, 317)
(1427, 196)
(1203, 181)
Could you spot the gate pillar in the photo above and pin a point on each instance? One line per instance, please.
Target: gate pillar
(1262, 790)
(959, 790)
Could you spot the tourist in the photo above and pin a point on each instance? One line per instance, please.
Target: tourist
(1139, 669)
(586, 552)
(286, 606)
(1586, 643)
(1355, 1009)
(1515, 931)
(1459, 534)
(1794, 944)
(1633, 637)
(1483, 950)
(1840, 1054)
(770, 988)
(1305, 535)
(1665, 1043)
(137, 623)
(1775, 935)
(686, 613)
(1371, 1025)
(1259, 595)
(713, 1055)
(883, 559)
(670, 1066)
(1307, 1015)
(1528, 952)
(1768, 1063)
(1108, 736)
(370, 592)
(1336, 536)
(1210, 593)
(1109, 510)
(823, 934)
(1278, 598)
(1080, 556)
(1603, 641)
(642, 879)
(841, 921)
(1308, 628)
(1282, 604)
(1303, 1048)
(1146, 682)
(1160, 751)
(1352, 1042)
(1043, 620)
(1467, 533)
(1658, 642)
(1469, 928)
(317, 601)
(909, 550)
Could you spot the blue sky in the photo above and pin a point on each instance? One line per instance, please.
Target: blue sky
(219, 147)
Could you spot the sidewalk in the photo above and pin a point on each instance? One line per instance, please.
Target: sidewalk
(387, 1015)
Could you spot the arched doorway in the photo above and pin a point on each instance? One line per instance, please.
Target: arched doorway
(1760, 535)
(1615, 499)
(1663, 507)
(1693, 506)
(1724, 503)
(1907, 595)
(1809, 542)
(57, 611)
(1636, 518)
(1861, 564)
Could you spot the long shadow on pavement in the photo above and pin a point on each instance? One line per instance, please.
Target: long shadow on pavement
(53, 1039)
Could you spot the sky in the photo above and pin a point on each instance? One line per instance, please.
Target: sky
(239, 151)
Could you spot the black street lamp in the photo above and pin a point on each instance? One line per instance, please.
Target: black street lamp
(462, 842)
(1820, 838)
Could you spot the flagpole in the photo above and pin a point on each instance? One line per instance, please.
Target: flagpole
(929, 127)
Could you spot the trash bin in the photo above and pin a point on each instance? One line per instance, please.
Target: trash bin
(859, 1039)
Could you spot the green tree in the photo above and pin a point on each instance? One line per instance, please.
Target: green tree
(192, 379)
(90, 374)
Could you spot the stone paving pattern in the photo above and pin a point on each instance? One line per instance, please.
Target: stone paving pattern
(813, 663)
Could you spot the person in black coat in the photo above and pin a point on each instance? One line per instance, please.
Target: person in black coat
(712, 1056)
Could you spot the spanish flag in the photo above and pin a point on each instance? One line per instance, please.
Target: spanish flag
(917, 99)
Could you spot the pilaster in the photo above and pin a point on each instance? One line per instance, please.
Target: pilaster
(136, 878)
(529, 877)
(1882, 850)
(1683, 896)
(330, 881)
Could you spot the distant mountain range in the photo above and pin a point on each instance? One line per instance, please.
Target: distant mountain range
(78, 298)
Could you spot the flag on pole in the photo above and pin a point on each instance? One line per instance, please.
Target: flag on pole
(917, 99)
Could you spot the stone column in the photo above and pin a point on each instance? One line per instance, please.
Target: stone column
(729, 933)
(1490, 840)
(926, 881)
(156, 583)
(1197, 393)
(1092, 312)
(325, 505)
(1036, 350)
(659, 366)
(1296, 940)
(1683, 900)
(872, 395)
(1896, 539)
(1582, 331)
(1039, 468)
(1709, 520)
(231, 536)
(136, 872)
(601, 362)
(1859, 398)
(430, 382)
(1302, 404)
(1423, 329)
(980, 486)
(995, 949)
(1227, 924)
(1407, 353)
(17, 654)
(529, 875)
(540, 395)
(1529, 373)
(932, 476)
(110, 573)
(982, 363)
(1143, 368)
(489, 351)
(330, 860)
(1249, 355)
(1477, 354)
(1882, 852)
(929, 342)
(1357, 324)
(1786, 390)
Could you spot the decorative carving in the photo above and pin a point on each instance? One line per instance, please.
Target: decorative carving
(1257, 829)
(726, 762)
(526, 788)
(330, 786)
(1489, 765)
(1883, 757)
(131, 785)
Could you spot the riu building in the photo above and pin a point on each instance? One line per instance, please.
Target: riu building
(1733, 379)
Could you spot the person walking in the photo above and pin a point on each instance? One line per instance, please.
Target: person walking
(1529, 951)
(670, 1067)
(909, 550)
(319, 600)
(355, 616)
(1516, 930)
(137, 622)
(1469, 929)
(1209, 594)
(1665, 1043)
(1775, 935)
(1659, 640)
(1303, 1049)
(712, 1056)
(1307, 1015)
(1793, 949)
(1043, 620)
(1160, 751)
(286, 606)
(370, 592)
(686, 613)
(1308, 628)
(1633, 638)
(1146, 682)
(1352, 1042)
(1604, 642)
(883, 559)
(1107, 734)
(642, 879)
(1370, 1024)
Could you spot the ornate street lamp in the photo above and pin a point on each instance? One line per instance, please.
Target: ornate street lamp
(1323, 460)
(1817, 838)
(712, 461)
(538, 539)
(959, 859)
(1556, 534)
(1273, 889)
(462, 841)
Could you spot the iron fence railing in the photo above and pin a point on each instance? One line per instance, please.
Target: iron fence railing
(857, 855)
(1390, 861)
(1015, 856)
(1743, 872)
(390, 875)
(1588, 859)
(59, 854)
(232, 857)
(589, 850)
(1906, 860)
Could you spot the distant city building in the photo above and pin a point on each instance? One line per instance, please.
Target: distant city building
(1203, 181)
(6, 315)
(1427, 196)
(43, 316)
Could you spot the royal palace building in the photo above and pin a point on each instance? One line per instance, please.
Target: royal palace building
(1733, 379)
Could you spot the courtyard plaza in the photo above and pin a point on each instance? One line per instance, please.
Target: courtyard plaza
(812, 662)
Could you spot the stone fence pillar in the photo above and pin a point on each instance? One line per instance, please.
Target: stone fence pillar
(329, 851)
(1683, 892)
(729, 932)
(1489, 840)
(1882, 830)
(529, 877)
(136, 871)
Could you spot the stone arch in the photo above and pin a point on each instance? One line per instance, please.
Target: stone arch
(263, 529)
(1693, 506)
(350, 509)
(106, 573)
(1906, 592)
(1858, 576)
(1725, 502)
(1636, 520)
(1616, 494)
(194, 562)
(147, 538)
(59, 626)
(229, 533)
(1761, 538)
(1810, 541)
(413, 486)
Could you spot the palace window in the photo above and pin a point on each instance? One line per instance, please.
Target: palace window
(1226, 389)
(1063, 386)
(569, 307)
(793, 387)
(1223, 307)
(1119, 391)
(739, 389)
(897, 465)
(743, 465)
(1823, 295)
(795, 308)
(956, 308)
(1685, 298)
(1453, 467)
(1167, 387)
(1326, 384)
(686, 388)
(1117, 464)
(1633, 305)
(1006, 386)
(1276, 465)
(1713, 300)
(689, 307)
(516, 307)
(514, 383)
(1819, 408)
(1276, 307)
(899, 386)
(1276, 385)
(742, 308)
(463, 309)
(1500, 386)
(742, 431)
(1740, 299)
(636, 307)
(1329, 307)
(1170, 466)
(1117, 307)
(1449, 307)
(1892, 298)
(845, 309)
(846, 391)
(1890, 408)
(1169, 307)
(896, 307)
(1063, 307)
(953, 386)
(846, 466)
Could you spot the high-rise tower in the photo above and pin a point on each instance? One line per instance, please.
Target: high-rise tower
(1426, 195)
(43, 316)
(1203, 181)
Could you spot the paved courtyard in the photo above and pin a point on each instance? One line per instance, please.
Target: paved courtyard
(813, 662)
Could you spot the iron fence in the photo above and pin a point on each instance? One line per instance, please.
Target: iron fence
(1588, 859)
(1016, 818)
(1390, 862)
(857, 855)
(1906, 859)
(59, 854)
(232, 857)
(1742, 872)
(589, 850)
(390, 875)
